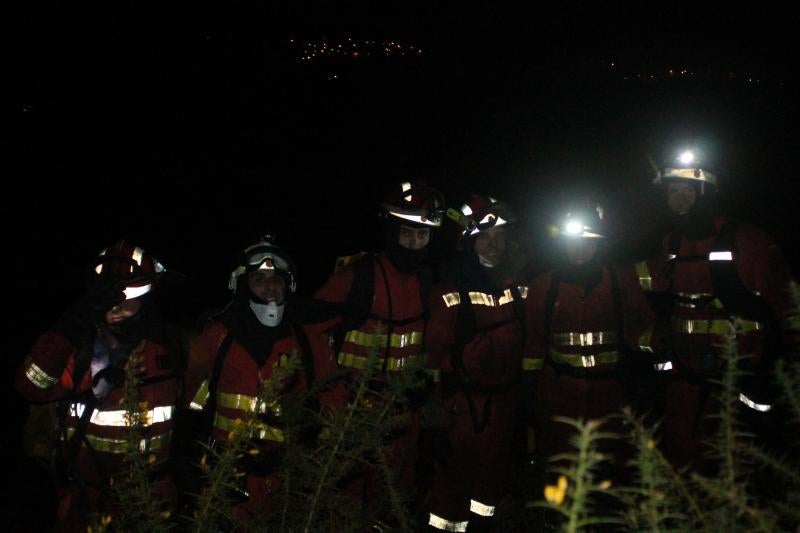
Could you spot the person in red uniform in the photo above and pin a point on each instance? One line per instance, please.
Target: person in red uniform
(726, 278)
(384, 301)
(238, 350)
(80, 363)
(583, 318)
(474, 339)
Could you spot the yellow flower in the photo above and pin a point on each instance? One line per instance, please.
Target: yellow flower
(151, 458)
(165, 514)
(605, 485)
(651, 444)
(106, 520)
(253, 451)
(555, 494)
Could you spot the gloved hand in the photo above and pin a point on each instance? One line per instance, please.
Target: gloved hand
(103, 293)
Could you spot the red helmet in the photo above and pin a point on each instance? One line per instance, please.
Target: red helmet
(414, 203)
(135, 268)
(265, 254)
(480, 213)
(584, 218)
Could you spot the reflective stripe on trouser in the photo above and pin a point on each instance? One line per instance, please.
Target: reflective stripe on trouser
(446, 525)
(481, 508)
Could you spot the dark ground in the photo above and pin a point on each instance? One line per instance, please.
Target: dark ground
(191, 130)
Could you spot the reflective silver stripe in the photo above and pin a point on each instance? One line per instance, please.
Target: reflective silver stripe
(134, 292)
(118, 418)
(481, 298)
(137, 255)
(446, 525)
(200, 398)
(720, 256)
(481, 508)
(663, 367)
(761, 407)
(39, 377)
(591, 338)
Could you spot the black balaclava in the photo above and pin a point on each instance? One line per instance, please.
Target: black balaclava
(588, 274)
(698, 222)
(403, 259)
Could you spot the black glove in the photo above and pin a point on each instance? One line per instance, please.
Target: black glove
(103, 293)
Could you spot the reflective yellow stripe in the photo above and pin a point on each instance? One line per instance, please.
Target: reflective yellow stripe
(107, 445)
(482, 298)
(261, 431)
(200, 398)
(398, 340)
(715, 327)
(584, 361)
(359, 361)
(646, 340)
(591, 338)
(249, 404)
(39, 377)
(645, 279)
(690, 300)
(529, 363)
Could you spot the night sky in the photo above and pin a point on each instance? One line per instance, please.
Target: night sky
(191, 128)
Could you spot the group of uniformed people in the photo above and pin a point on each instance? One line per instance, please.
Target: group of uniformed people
(504, 355)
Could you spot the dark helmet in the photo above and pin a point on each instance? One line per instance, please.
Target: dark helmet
(581, 218)
(136, 269)
(480, 213)
(265, 254)
(414, 203)
(687, 166)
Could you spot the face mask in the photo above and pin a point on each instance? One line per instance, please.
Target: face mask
(269, 314)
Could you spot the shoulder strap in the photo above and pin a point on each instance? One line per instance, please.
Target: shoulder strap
(549, 306)
(222, 354)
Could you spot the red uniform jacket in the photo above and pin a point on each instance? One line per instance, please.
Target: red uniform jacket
(585, 330)
(394, 326)
(239, 385)
(699, 318)
(48, 375)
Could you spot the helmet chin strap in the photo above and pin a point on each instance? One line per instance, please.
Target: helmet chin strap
(485, 262)
(270, 314)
